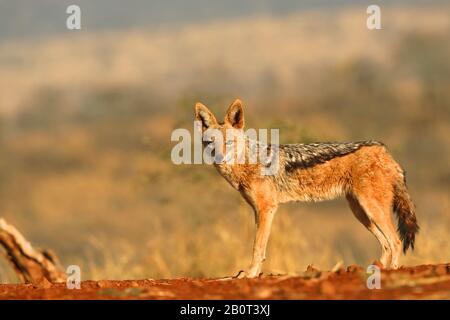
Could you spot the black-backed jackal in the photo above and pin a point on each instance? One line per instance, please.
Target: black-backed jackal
(364, 172)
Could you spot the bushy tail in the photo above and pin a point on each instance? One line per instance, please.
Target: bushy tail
(407, 221)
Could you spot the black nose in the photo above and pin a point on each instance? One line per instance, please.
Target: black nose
(218, 158)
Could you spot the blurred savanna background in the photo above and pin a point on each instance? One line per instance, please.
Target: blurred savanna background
(86, 118)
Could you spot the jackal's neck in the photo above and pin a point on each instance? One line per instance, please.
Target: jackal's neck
(239, 174)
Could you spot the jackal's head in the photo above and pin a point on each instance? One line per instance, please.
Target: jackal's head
(224, 141)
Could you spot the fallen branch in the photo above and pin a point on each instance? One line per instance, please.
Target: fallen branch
(31, 265)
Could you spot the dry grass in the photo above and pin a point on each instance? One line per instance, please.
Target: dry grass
(86, 123)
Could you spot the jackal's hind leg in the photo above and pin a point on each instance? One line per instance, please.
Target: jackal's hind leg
(379, 212)
(386, 224)
(360, 214)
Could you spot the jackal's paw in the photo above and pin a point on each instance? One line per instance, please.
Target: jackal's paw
(380, 264)
(247, 274)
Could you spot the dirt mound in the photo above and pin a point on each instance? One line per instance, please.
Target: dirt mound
(421, 282)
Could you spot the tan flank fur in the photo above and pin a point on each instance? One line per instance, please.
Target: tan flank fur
(363, 172)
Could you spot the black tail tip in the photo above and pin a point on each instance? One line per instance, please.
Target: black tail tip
(409, 239)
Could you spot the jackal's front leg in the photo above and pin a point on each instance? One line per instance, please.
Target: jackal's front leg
(264, 216)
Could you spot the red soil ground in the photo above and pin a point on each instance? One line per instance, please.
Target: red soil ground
(421, 282)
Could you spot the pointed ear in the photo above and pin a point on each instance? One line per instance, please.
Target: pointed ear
(235, 115)
(205, 116)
